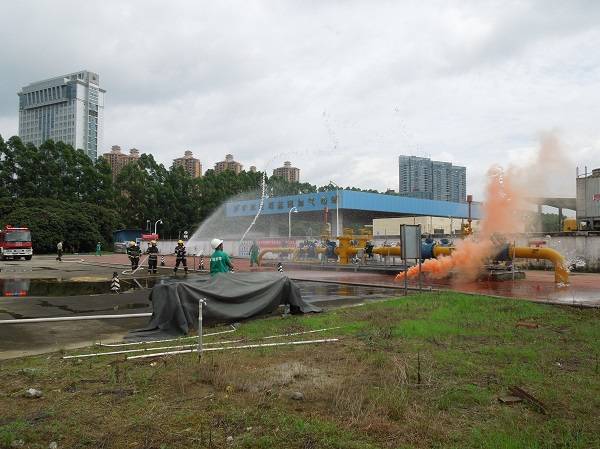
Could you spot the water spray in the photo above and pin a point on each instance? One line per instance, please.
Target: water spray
(260, 205)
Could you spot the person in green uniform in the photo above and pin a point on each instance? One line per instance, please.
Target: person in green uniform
(219, 261)
(98, 249)
(254, 250)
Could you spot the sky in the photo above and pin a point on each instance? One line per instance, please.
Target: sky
(339, 88)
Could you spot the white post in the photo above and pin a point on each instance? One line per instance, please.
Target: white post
(201, 302)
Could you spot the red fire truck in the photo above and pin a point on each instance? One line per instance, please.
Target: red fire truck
(15, 242)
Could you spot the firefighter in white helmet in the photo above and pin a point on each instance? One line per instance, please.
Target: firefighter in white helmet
(219, 261)
(134, 252)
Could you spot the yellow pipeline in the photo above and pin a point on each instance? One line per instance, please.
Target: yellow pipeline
(388, 250)
(345, 252)
(561, 274)
(442, 250)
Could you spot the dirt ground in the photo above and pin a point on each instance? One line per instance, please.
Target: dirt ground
(416, 372)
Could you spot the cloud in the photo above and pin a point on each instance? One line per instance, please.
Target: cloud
(339, 88)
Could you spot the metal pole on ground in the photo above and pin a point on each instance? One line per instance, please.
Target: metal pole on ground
(201, 302)
(74, 318)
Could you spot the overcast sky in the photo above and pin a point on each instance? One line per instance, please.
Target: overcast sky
(340, 88)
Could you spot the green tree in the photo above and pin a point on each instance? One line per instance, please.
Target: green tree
(549, 223)
(80, 224)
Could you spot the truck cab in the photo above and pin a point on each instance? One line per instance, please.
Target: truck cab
(15, 242)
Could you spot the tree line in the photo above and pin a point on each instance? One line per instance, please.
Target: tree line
(61, 194)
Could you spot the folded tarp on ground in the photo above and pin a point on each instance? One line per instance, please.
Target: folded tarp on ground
(229, 297)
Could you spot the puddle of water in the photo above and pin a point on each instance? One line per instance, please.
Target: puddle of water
(129, 306)
(313, 291)
(57, 287)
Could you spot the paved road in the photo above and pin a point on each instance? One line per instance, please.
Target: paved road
(62, 299)
(17, 340)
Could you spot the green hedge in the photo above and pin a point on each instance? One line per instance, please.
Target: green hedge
(79, 225)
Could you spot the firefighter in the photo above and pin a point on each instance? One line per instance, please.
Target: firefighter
(152, 257)
(180, 257)
(134, 252)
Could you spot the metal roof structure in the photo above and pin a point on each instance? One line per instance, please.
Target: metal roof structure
(352, 200)
(559, 203)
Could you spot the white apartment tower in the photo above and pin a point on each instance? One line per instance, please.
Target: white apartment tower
(68, 108)
(421, 177)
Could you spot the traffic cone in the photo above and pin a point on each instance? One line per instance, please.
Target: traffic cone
(115, 284)
(162, 261)
(201, 266)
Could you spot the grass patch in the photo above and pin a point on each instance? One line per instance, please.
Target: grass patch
(413, 372)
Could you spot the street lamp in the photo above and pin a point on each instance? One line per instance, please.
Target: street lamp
(337, 208)
(156, 224)
(294, 210)
(148, 228)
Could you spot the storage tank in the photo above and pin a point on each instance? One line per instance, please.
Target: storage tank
(588, 200)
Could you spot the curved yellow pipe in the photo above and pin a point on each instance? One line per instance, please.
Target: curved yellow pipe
(561, 274)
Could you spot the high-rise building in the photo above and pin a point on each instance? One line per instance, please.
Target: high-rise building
(67, 108)
(118, 160)
(190, 164)
(252, 169)
(292, 174)
(435, 180)
(228, 164)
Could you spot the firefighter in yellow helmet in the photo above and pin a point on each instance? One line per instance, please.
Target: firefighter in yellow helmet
(152, 252)
(180, 257)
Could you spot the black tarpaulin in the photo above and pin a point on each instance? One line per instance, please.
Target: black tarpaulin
(229, 297)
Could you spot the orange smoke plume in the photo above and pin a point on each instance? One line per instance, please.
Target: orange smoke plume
(502, 212)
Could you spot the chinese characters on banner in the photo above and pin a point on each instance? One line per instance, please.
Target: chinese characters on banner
(310, 202)
(276, 243)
